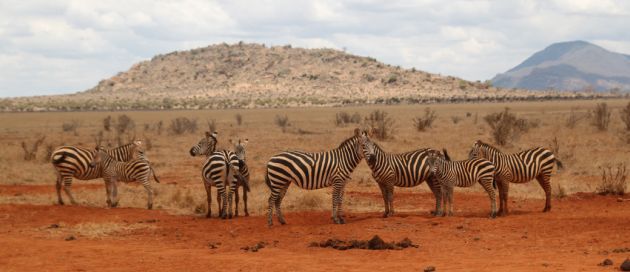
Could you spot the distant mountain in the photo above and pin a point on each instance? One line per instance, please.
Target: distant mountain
(257, 76)
(575, 66)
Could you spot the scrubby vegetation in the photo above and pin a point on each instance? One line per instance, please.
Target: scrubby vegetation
(380, 124)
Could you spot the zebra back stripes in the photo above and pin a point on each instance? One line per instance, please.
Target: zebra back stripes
(407, 169)
(313, 171)
(535, 163)
(221, 170)
(114, 171)
(462, 174)
(73, 161)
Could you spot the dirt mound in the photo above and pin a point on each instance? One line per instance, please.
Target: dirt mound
(376, 243)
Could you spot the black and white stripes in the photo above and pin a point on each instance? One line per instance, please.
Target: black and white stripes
(313, 171)
(461, 174)
(536, 163)
(407, 169)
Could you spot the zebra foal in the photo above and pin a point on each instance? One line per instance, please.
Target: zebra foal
(462, 174)
(407, 169)
(114, 171)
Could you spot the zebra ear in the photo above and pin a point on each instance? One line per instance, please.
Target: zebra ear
(245, 142)
(208, 134)
(357, 132)
(137, 142)
(231, 141)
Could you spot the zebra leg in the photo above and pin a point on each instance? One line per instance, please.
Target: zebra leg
(390, 199)
(230, 193)
(245, 200)
(385, 202)
(450, 200)
(441, 201)
(219, 201)
(236, 201)
(223, 205)
(543, 180)
(149, 189)
(58, 188)
(278, 202)
(108, 191)
(272, 201)
(506, 189)
(67, 184)
(114, 185)
(436, 188)
(487, 185)
(209, 198)
(337, 198)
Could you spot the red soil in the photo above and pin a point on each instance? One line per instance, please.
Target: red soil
(576, 235)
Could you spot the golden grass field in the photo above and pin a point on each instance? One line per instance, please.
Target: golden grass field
(583, 150)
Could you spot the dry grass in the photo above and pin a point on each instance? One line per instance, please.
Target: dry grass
(93, 230)
(582, 149)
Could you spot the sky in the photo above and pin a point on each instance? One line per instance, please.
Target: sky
(66, 46)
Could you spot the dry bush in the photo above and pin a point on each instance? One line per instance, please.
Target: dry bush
(239, 119)
(31, 154)
(124, 124)
(574, 118)
(282, 122)
(71, 126)
(601, 117)
(506, 126)
(455, 119)
(381, 125)
(625, 116)
(181, 125)
(343, 118)
(426, 121)
(107, 123)
(613, 184)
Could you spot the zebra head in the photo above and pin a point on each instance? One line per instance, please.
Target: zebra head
(478, 151)
(205, 146)
(434, 160)
(98, 156)
(239, 150)
(367, 148)
(137, 151)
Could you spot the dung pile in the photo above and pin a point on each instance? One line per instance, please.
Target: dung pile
(376, 243)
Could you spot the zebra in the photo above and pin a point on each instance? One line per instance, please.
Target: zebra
(239, 150)
(114, 171)
(221, 170)
(407, 169)
(72, 161)
(518, 167)
(462, 174)
(205, 146)
(215, 171)
(313, 171)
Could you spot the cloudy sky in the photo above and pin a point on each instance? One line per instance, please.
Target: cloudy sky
(52, 47)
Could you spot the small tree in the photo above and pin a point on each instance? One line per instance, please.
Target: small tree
(574, 118)
(614, 184)
(381, 125)
(71, 126)
(282, 122)
(505, 126)
(31, 154)
(601, 116)
(181, 125)
(424, 122)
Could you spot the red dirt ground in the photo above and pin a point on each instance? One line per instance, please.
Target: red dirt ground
(579, 232)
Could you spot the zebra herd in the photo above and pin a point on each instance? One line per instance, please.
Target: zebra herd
(227, 170)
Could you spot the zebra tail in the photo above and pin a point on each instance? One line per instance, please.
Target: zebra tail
(494, 183)
(60, 159)
(559, 163)
(154, 176)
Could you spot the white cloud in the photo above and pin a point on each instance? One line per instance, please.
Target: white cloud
(66, 46)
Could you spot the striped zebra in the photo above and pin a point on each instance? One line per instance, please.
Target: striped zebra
(221, 170)
(462, 174)
(536, 163)
(313, 171)
(407, 169)
(239, 150)
(72, 161)
(114, 171)
(215, 171)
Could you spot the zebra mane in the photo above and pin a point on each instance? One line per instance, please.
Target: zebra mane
(348, 141)
(487, 146)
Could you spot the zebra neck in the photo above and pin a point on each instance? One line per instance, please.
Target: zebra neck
(379, 156)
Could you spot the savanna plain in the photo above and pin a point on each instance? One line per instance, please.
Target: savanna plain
(583, 228)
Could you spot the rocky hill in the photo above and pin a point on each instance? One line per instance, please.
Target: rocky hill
(576, 65)
(253, 75)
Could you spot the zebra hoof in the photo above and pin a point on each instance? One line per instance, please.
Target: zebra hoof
(246, 214)
(493, 215)
(150, 207)
(60, 203)
(282, 222)
(208, 215)
(385, 215)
